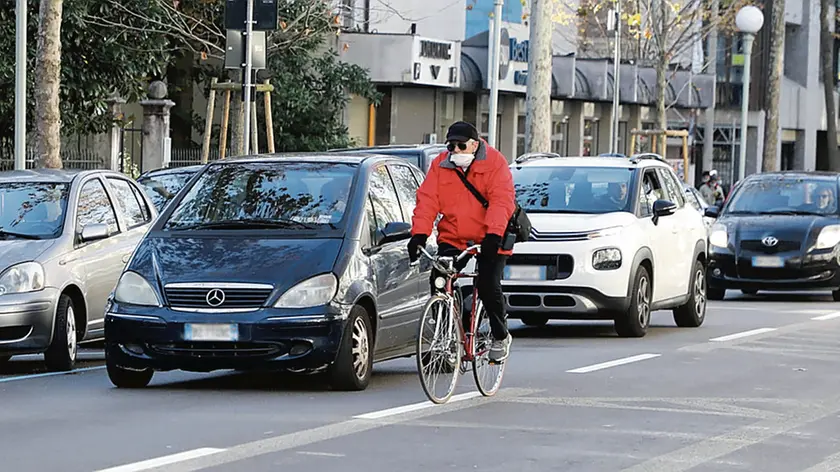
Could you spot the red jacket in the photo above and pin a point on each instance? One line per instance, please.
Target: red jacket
(464, 219)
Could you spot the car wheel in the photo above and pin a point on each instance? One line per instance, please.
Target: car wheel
(534, 320)
(354, 363)
(61, 355)
(127, 378)
(692, 314)
(713, 293)
(635, 322)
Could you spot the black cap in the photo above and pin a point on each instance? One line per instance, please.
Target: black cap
(462, 131)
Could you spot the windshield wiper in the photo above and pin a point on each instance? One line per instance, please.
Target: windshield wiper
(790, 212)
(548, 210)
(19, 235)
(245, 224)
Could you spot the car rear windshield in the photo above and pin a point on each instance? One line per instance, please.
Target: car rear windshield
(32, 210)
(590, 190)
(276, 195)
(772, 196)
(162, 188)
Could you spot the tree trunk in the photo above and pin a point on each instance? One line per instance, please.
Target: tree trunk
(47, 83)
(826, 56)
(662, 61)
(774, 86)
(709, 113)
(538, 111)
(237, 119)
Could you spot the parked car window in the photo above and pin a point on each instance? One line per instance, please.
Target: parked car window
(144, 207)
(277, 193)
(95, 207)
(781, 195)
(33, 209)
(371, 219)
(386, 206)
(590, 190)
(672, 187)
(127, 202)
(163, 187)
(406, 189)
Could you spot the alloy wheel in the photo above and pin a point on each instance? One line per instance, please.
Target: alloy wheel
(643, 302)
(361, 348)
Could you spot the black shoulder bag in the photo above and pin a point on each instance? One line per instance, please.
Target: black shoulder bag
(519, 225)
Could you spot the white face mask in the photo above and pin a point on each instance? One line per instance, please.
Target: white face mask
(462, 160)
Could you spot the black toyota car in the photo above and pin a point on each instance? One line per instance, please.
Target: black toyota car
(777, 231)
(297, 262)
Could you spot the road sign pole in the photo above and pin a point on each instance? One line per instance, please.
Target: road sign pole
(247, 80)
(20, 86)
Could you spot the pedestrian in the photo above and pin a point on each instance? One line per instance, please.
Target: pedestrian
(466, 221)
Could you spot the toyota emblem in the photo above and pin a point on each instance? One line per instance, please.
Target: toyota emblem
(769, 241)
(215, 297)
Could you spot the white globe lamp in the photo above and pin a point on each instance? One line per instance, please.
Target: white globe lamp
(749, 19)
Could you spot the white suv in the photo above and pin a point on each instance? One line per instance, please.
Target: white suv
(612, 238)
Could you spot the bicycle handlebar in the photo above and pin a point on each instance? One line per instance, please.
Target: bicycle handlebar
(436, 259)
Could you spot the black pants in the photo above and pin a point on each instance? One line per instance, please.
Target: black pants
(490, 271)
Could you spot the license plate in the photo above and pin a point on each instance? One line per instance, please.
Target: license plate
(768, 261)
(522, 272)
(211, 332)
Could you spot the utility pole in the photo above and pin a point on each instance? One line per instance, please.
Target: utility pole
(538, 92)
(20, 85)
(616, 77)
(709, 114)
(247, 79)
(494, 71)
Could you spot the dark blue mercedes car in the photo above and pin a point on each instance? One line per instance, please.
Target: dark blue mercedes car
(297, 262)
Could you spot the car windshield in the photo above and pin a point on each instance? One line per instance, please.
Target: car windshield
(163, 187)
(785, 196)
(276, 195)
(32, 210)
(573, 189)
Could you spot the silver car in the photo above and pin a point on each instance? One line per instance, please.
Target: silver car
(65, 237)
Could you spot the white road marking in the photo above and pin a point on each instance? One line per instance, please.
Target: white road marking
(830, 464)
(325, 454)
(165, 460)
(829, 316)
(617, 362)
(375, 415)
(743, 334)
(50, 374)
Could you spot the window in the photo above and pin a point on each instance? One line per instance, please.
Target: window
(33, 209)
(144, 207)
(651, 191)
(127, 202)
(406, 189)
(95, 207)
(783, 195)
(673, 187)
(692, 200)
(589, 190)
(383, 196)
(163, 188)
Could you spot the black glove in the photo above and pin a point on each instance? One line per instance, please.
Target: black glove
(491, 244)
(414, 246)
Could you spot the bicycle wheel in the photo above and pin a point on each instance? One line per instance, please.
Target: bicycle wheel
(439, 349)
(487, 375)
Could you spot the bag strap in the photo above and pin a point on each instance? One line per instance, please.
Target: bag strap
(472, 189)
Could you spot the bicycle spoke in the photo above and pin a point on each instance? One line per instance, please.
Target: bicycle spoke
(435, 361)
(488, 376)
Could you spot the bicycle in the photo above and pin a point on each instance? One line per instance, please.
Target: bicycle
(458, 347)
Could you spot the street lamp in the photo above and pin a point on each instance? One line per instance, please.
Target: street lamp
(749, 21)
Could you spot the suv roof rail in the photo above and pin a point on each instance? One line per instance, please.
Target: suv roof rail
(536, 155)
(635, 158)
(612, 154)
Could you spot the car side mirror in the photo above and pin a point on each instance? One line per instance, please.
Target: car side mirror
(712, 211)
(395, 231)
(94, 232)
(663, 208)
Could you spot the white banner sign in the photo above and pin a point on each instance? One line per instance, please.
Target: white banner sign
(436, 62)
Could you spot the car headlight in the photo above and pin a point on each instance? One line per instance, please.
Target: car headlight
(318, 290)
(603, 233)
(22, 278)
(718, 236)
(606, 259)
(133, 289)
(829, 237)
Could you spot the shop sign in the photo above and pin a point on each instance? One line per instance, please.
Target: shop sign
(436, 62)
(513, 57)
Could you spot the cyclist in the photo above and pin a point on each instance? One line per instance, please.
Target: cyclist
(466, 221)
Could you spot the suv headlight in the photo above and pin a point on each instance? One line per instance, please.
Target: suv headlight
(829, 237)
(718, 237)
(606, 259)
(606, 232)
(22, 278)
(133, 289)
(318, 290)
